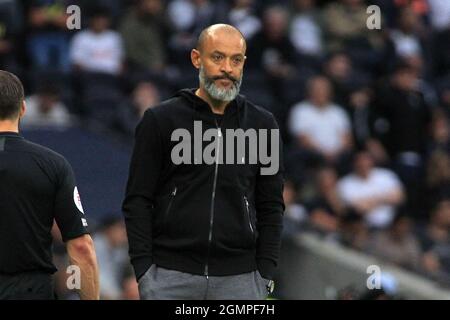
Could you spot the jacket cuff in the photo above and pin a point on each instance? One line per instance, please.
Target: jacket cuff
(266, 268)
(141, 266)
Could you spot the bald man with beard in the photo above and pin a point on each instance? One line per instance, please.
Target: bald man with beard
(200, 230)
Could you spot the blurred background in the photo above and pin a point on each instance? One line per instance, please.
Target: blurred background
(364, 116)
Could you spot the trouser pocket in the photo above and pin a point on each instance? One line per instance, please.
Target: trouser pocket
(145, 282)
(261, 284)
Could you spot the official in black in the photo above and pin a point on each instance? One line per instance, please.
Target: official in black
(37, 187)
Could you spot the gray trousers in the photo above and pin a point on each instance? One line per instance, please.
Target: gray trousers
(163, 284)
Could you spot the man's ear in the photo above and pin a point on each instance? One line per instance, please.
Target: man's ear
(23, 109)
(195, 58)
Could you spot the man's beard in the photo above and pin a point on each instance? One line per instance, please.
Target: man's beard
(217, 93)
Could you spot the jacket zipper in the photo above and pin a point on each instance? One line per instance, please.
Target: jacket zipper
(247, 206)
(213, 196)
(172, 197)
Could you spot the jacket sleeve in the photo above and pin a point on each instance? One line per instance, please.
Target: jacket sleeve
(144, 172)
(269, 209)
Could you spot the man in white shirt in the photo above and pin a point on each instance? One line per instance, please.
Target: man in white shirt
(98, 49)
(45, 109)
(372, 192)
(305, 30)
(318, 125)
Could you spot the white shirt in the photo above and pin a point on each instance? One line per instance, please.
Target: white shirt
(94, 52)
(380, 182)
(324, 126)
(57, 116)
(181, 14)
(406, 45)
(306, 34)
(440, 14)
(247, 23)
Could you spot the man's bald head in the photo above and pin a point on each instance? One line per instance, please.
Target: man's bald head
(216, 30)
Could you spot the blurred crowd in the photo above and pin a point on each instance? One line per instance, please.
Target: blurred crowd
(364, 114)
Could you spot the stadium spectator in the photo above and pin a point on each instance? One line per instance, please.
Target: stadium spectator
(98, 49)
(271, 48)
(326, 208)
(129, 113)
(111, 247)
(345, 28)
(339, 68)
(372, 192)
(435, 241)
(48, 39)
(437, 184)
(145, 32)
(440, 132)
(405, 116)
(97, 55)
(398, 244)
(439, 14)
(295, 213)
(242, 16)
(440, 59)
(362, 118)
(419, 7)
(305, 29)
(401, 103)
(320, 127)
(11, 26)
(407, 38)
(188, 18)
(114, 7)
(354, 232)
(445, 97)
(45, 109)
(360, 115)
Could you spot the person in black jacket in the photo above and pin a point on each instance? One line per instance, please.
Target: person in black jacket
(202, 229)
(37, 188)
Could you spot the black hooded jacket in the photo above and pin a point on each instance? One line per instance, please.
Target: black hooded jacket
(204, 219)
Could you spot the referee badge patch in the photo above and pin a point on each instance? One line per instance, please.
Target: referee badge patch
(77, 200)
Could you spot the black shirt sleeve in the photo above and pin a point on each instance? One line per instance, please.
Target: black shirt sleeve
(270, 209)
(145, 168)
(68, 212)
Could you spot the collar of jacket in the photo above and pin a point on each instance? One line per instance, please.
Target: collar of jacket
(199, 105)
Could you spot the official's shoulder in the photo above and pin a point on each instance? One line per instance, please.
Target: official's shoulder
(44, 152)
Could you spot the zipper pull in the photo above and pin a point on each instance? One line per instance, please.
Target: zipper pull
(220, 133)
(174, 192)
